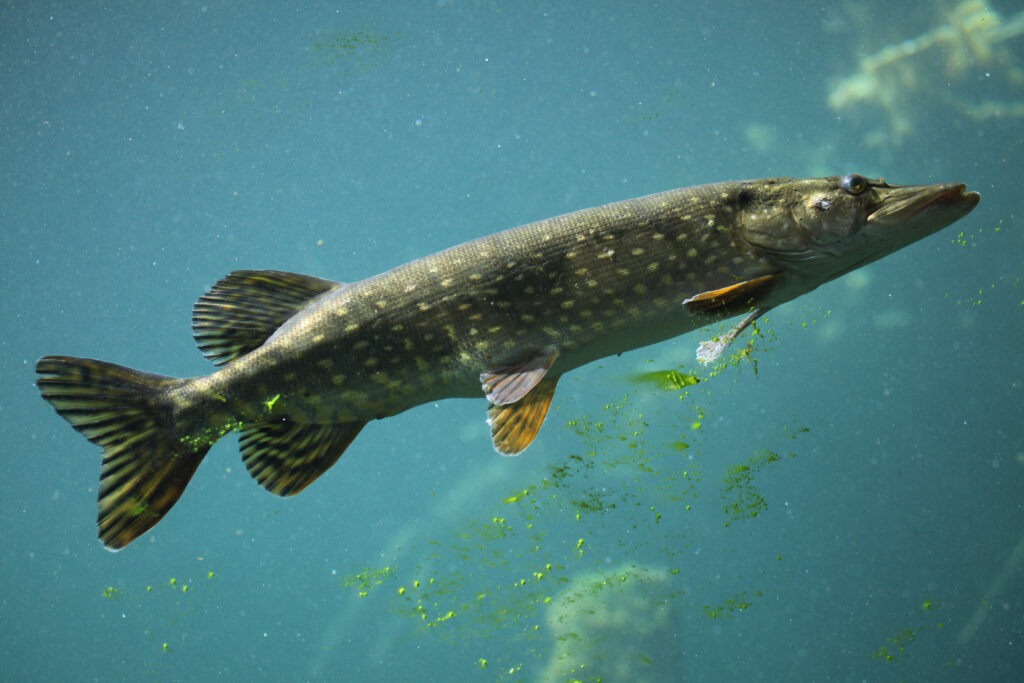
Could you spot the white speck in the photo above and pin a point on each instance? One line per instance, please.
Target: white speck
(419, 122)
(593, 93)
(180, 126)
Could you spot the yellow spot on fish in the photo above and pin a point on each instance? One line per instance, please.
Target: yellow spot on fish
(325, 363)
(318, 338)
(464, 307)
(338, 380)
(691, 253)
(352, 328)
(270, 402)
(423, 306)
(371, 362)
(568, 303)
(360, 345)
(638, 251)
(354, 396)
(652, 266)
(640, 288)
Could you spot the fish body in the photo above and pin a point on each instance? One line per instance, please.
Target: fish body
(307, 362)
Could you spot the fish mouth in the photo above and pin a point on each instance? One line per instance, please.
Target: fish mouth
(900, 203)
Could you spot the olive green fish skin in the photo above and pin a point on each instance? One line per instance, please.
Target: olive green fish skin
(308, 362)
(590, 284)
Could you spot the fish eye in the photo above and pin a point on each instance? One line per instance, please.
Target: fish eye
(853, 183)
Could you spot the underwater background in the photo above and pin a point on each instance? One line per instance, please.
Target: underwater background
(839, 500)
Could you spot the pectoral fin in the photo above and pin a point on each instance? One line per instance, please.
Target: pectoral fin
(514, 426)
(733, 299)
(709, 351)
(510, 383)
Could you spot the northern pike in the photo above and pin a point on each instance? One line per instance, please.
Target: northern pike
(307, 362)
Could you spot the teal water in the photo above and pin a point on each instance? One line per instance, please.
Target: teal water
(842, 503)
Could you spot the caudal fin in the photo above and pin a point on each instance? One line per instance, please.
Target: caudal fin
(146, 462)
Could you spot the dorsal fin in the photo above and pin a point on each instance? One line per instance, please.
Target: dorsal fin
(241, 311)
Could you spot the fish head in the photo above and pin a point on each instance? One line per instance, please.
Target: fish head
(821, 228)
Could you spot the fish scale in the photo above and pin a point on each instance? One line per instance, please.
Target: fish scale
(307, 362)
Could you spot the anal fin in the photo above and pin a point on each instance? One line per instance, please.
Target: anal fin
(514, 426)
(286, 457)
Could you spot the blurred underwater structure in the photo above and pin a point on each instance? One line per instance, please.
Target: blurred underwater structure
(954, 66)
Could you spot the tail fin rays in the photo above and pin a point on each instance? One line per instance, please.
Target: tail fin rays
(146, 463)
